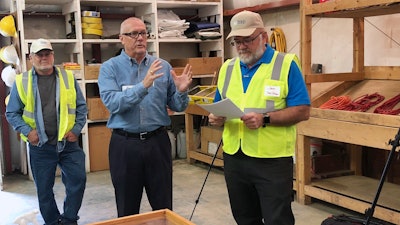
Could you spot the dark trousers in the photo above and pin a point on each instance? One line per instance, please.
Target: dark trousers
(260, 190)
(136, 164)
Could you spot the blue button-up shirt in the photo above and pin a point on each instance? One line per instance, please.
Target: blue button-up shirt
(133, 107)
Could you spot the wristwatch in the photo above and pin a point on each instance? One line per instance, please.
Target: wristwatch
(266, 120)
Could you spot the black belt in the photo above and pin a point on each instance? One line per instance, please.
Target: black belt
(141, 136)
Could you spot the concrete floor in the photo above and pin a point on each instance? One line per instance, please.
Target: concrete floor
(19, 197)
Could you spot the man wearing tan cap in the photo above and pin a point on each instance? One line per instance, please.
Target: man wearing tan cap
(258, 147)
(47, 108)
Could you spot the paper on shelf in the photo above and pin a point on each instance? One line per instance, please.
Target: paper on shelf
(224, 108)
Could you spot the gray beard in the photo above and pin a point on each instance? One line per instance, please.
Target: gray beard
(254, 57)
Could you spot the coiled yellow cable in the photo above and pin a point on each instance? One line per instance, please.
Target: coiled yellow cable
(278, 40)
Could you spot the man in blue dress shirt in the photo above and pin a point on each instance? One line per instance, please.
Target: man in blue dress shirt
(137, 88)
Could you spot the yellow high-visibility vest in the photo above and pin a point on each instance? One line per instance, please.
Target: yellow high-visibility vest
(266, 92)
(67, 95)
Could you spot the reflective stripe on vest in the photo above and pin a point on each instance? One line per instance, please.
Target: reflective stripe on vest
(25, 86)
(67, 98)
(276, 75)
(236, 135)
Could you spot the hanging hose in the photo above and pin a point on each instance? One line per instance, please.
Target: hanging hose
(338, 103)
(388, 106)
(365, 102)
(361, 104)
(278, 40)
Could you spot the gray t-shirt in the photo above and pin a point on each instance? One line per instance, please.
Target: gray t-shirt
(47, 90)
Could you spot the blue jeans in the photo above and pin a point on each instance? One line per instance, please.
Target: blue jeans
(71, 160)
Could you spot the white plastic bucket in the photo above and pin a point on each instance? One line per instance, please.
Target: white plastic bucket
(173, 143)
(181, 145)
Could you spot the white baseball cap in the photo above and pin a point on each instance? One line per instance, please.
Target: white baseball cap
(40, 44)
(244, 24)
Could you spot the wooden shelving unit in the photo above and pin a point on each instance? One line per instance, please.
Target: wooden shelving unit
(356, 129)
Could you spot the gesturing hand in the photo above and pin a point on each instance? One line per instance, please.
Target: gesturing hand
(152, 73)
(183, 81)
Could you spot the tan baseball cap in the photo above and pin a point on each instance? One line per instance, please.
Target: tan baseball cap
(40, 44)
(245, 23)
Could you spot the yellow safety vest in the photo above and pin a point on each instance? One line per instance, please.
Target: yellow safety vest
(67, 95)
(266, 92)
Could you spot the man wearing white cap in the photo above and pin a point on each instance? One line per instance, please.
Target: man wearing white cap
(258, 147)
(48, 109)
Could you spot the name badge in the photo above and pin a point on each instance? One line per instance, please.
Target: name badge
(272, 91)
(126, 87)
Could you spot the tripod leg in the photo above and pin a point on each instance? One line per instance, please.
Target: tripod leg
(208, 172)
(395, 143)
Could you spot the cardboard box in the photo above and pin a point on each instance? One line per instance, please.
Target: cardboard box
(158, 217)
(210, 139)
(201, 65)
(96, 109)
(92, 71)
(99, 140)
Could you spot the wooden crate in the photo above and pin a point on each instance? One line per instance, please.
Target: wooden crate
(159, 217)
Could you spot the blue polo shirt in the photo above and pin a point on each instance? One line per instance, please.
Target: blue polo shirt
(297, 95)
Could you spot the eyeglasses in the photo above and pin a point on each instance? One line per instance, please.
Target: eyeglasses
(246, 41)
(135, 34)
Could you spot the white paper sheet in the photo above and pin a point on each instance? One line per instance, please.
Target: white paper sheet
(224, 108)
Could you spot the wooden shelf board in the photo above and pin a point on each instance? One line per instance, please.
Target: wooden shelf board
(357, 193)
(46, 2)
(185, 4)
(113, 3)
(196, 110)
(366, 8)
(205, 158)
(348, 132)
(315, 78)
(283, 4)
(362, 188)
